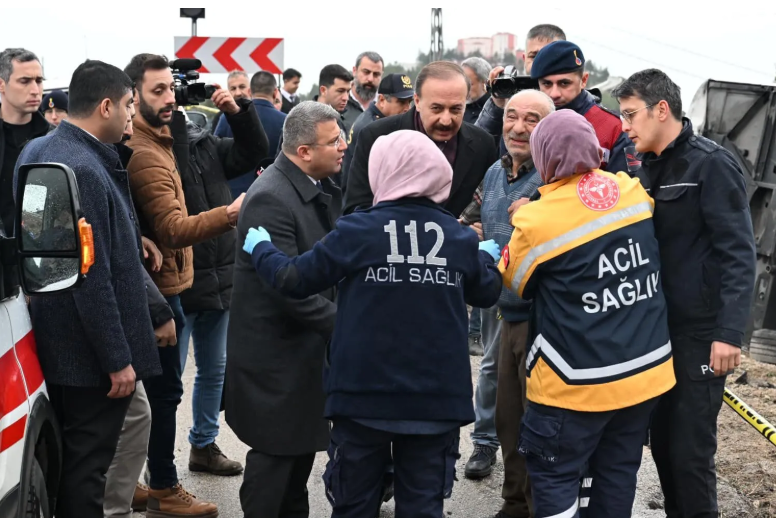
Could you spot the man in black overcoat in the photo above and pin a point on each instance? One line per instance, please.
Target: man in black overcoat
(276, 345)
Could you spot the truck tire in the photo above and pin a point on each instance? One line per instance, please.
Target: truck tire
(37, 500)
(762, 346)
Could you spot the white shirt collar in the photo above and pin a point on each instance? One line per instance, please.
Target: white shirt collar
(95, 138)
(80, 128)
(290, 97)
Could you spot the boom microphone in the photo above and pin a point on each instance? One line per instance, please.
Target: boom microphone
(185, 64)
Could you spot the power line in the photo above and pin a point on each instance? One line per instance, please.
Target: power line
(662, 66)
(676, 47)
(688, 51)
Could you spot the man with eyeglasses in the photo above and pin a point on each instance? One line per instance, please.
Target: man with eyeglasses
(704, 230)
(335, 82)
(560, 69)
(276, 345)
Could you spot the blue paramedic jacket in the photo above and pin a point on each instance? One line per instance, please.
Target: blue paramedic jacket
(406, 271)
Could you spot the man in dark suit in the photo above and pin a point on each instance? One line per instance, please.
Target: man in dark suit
(291, 79)
(276, 345)
(440, 102)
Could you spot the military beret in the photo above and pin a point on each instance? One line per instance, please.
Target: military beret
(54, 99)
(559, 57)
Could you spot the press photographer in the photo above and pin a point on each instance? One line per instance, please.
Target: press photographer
(503, 83)
(195, 232)
(559, 70)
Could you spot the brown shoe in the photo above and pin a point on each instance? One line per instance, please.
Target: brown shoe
(211, 459)
(175, 502)
(140, 499)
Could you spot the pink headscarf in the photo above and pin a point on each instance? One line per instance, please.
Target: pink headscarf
(407, 163)
(564, 143)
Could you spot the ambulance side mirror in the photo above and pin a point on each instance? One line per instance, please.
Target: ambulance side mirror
(55, 245)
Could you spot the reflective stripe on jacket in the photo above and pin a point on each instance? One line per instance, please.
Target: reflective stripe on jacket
(587, 255)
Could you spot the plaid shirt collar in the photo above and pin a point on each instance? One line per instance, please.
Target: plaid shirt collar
(506, 163)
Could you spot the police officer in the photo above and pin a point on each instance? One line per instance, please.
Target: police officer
(560, 69)
(54, 107)
(704, 229)
(600, 353)
(394, 97)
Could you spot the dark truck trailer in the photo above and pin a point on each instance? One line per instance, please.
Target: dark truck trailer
(741, 118)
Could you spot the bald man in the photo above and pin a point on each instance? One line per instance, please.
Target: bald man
(500, 397)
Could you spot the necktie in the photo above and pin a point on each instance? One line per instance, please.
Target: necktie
(319, 185)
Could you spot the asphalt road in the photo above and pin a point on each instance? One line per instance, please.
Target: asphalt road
(471, 499)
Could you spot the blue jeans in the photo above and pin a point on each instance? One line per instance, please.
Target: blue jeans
(485, 395)
(209, 331)
(164, 396)
(475, 322)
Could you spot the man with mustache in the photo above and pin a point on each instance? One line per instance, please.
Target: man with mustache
(366, 77)
(559, 66)
(500, 396)
(157, 189)
(441, 89)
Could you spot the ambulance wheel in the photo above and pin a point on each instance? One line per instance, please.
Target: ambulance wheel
(37, 500)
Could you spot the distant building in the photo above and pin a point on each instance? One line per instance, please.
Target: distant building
(497, 45)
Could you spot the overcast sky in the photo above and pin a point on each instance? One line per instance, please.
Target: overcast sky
(736, 41)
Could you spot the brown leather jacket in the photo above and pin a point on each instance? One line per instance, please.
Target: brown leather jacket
(158, 195)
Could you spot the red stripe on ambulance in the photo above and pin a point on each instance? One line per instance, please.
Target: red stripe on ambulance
(13, 433)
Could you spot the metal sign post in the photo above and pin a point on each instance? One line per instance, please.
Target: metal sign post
(194, 13)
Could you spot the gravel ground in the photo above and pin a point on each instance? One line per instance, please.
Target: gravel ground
(480, 499)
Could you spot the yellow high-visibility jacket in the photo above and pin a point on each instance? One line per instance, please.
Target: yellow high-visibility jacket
(586, 254)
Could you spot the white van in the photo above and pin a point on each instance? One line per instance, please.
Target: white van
(33, 262)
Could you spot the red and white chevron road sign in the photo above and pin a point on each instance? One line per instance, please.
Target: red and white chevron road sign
(223, 55)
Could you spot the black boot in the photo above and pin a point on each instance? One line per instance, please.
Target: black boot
(475, 345)
(480, 464)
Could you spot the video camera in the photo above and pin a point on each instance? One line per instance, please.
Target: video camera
(509, 82)
(187, 93)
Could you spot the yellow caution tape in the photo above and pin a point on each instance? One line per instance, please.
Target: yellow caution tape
(759, 423)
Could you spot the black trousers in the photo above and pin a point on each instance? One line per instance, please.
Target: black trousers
(684, 431)
(424, 467)
(91, 424)
(560, 445)
(164, 396)
(276, 486)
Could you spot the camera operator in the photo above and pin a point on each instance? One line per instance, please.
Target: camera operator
(168, 159)
(492, 114)
(559, 67)
(477, 70)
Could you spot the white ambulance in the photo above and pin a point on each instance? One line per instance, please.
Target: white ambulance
(51, 254)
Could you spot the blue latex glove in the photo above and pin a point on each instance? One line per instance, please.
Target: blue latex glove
(254, 237)
(492, 248)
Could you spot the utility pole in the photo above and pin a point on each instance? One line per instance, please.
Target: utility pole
(437, 45)
(194, 13)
